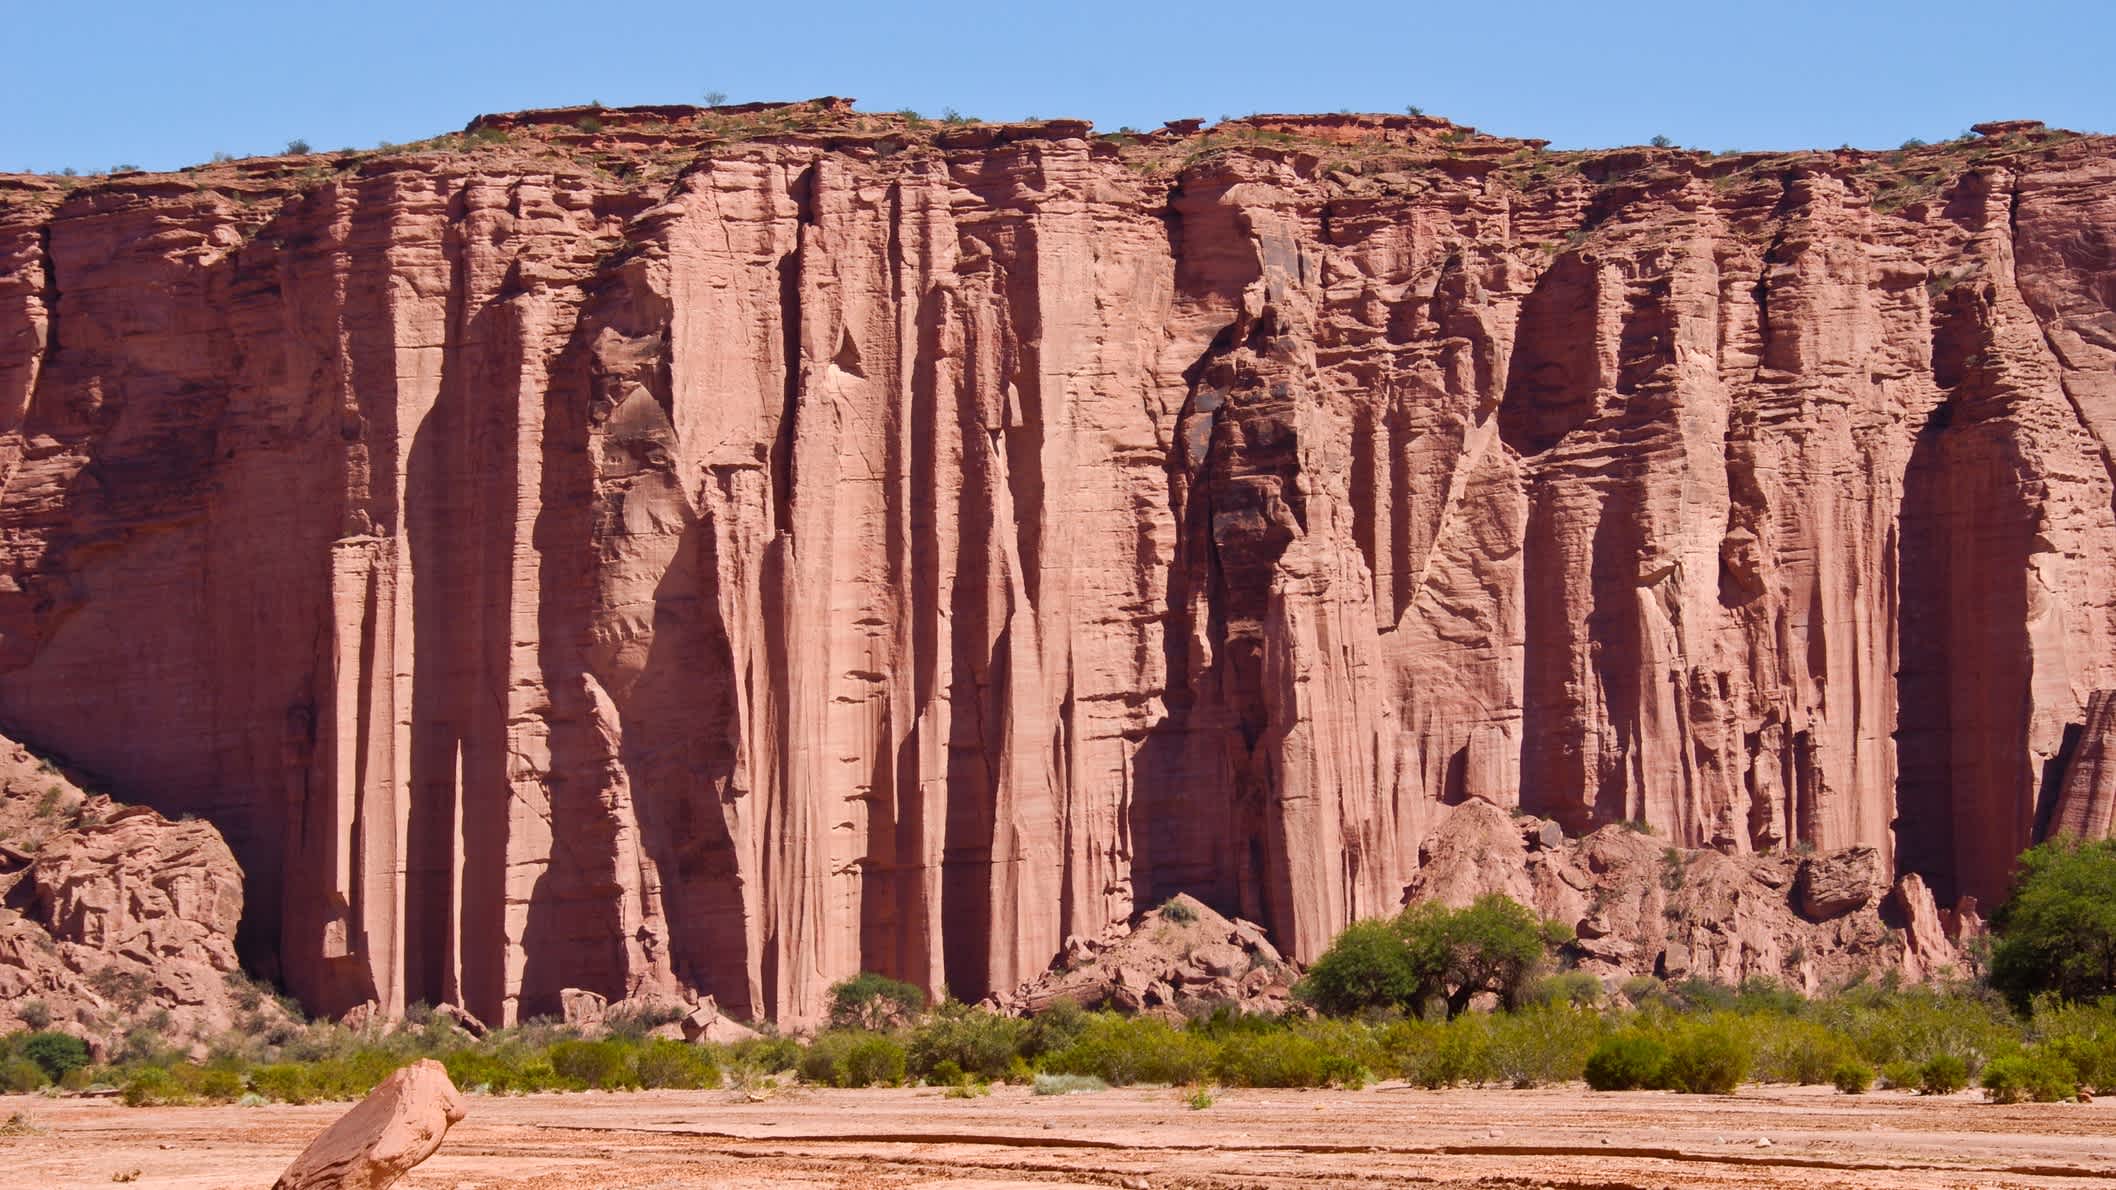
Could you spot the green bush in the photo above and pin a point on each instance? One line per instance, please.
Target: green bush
(1539, 1045)
(287, 1082)
(873, 1060)
(767, 1055)
(19, 1075)
(978, 1042)
(1852, 1077)
(665, 1064)
(2030, 1075)
(57, 1053)
(1902, 1075)
(1797, 1051)
(1626, 1062)
(220, 1086)
(1453, 1053)
(1708, 1059)
(1942, 1074)
(603, 1065)
(1279, 1058)
(1126, 1050)
(153, 1086)
(1055, 1028)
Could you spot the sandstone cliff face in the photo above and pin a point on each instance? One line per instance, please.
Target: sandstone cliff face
(723, 551)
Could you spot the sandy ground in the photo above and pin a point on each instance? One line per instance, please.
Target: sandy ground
(1387, 1135)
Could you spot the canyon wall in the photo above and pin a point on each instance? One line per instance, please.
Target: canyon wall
(661, 550)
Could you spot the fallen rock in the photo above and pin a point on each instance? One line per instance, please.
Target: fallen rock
(399, 1124)
(1835, 884)
(584, 1010)
(706, 1023)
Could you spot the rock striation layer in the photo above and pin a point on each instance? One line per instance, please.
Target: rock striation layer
(669, 552)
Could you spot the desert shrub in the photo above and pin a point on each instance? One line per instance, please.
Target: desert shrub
(634, 1022)
(2057, 929)
(57, 1054)
(152, 1086)
(768, 1055)
(1176, 910)
(1351, 1041)
(34, 1013)
(19, 1075)
(873, 1060)
(1626, 1062)
(662, 1063)
(1055, 1028)
(288, 1082)
(1852, 1077)
(1942, 1074)
(870, 1001)
(1126, 1050)
(2031, 1075)
(1567, 987)
(1280, 1058)
(1541, 1045)
(219, 1086)
(2082, 1034)
(507, 1067)
(1885, 1024)
(978, 1042)
(604, 1065)
(1459, 1052)
(1066, 1084)
(1901, 1075)
(1708, 1058)
(1797, 1051)
(819, 1061)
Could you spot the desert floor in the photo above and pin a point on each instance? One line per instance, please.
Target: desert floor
(1387, 1135)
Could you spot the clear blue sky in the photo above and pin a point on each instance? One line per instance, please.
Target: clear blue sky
(92, 83)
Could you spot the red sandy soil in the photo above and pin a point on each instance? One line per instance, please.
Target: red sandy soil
(1390, 1135)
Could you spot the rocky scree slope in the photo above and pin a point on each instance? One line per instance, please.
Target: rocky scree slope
(664, 549)
(113, 918)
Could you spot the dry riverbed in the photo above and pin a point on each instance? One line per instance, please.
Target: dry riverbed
(1387, 1135)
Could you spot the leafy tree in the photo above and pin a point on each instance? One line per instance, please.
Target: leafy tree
(1368, 966)
(1431, 952)
(1496, 945)
(2057, 932)
(870, 1001)
(58, 1053)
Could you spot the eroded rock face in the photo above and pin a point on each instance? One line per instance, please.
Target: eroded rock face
(1640, 906)
(719, 553)
(111, 914)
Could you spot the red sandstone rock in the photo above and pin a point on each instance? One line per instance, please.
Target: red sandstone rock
(400, 1123)
(1180, 957)
(111, 914)
(1641, 907)
(727, 551)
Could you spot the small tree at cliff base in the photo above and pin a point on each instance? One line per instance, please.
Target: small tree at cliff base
(870, 1001)
(1430, 953)
(2057, 931)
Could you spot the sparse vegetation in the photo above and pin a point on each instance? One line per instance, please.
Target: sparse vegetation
(297, 147)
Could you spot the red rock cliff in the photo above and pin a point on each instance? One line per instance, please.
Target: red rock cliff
(656, 548)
